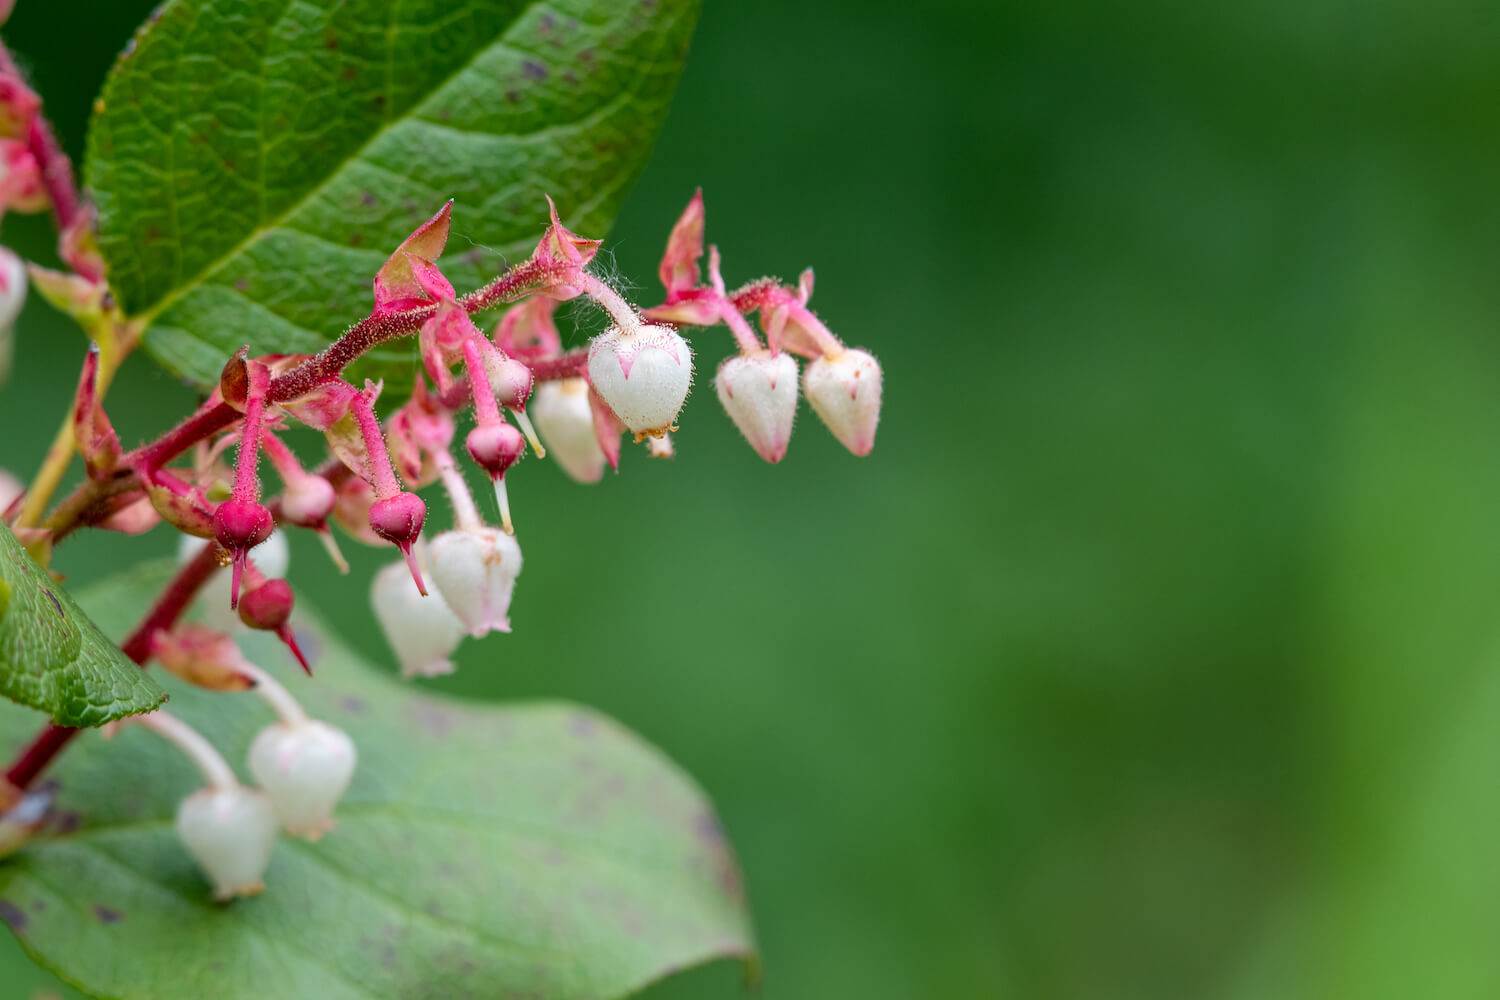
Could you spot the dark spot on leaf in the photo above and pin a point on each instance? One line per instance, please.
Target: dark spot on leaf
(368, 198)
(534, 69)
(583, 725)
(380, 100)
(13, 915)
(432, 719)
(352, 704)
(331, 41)
(349, 73)
(434, 908)
(67, 821)
(107, 915)
(513, 96)
(38, 905)
(242, 285)
(473, 257)
(570, 76)
(586, 56)
(355, 239)
(546, 23)
(708, 828)
(153, 234)
(55, 604)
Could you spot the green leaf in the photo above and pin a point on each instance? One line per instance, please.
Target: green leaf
(53, 658)
(255, 161)
(535, 850)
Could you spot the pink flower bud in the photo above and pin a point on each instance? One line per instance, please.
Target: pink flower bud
(476, 572)
(566, 423)
(307, 501)
(510, 380)
(268, 607)
(844, 390)
(759, 392)
(202, 656)
(21, 187)
(644, 375)
(495, 447)
(240, 525)
(18, 102)
(230, 833)
(271, 557)
(398, 519)
(304, 768)
(422, 631)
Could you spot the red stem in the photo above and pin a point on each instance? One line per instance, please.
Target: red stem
(174, 600)
(566, 366)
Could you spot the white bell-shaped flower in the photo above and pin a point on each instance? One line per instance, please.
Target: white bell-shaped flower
(476, 572)
(230, 832)
(421, 630)
(643, 374)
(759, 392)
(562, 415)
(12, 297)
(844, 391)
(304, 768)
(11, 487)
(271, 557)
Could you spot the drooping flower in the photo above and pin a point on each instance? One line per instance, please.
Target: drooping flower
(844, 391)
(759, 392)
(475, 571)
(422, 631)
(305, 766)
(643, 374)
(566, 422)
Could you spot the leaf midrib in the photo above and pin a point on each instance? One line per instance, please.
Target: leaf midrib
(178, 291)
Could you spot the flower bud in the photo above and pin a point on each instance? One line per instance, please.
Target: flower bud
(566, 423)
(643, 375)
(475, 572)
(203, 656)
(230, 833)
(421, 631)
(307, 501)
(510, 380)
(398, 519)
(304, 768)
(21, 187)
(268, 607)
(240, 525)
(844, 390)
(759, 392)
(495, 447)
(271, 557)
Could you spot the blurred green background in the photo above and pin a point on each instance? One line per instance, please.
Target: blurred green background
(1154, 651)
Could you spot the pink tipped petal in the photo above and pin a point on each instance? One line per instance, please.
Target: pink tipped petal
(396, 287)
(679, 265)
(697, 307)
(562, 245)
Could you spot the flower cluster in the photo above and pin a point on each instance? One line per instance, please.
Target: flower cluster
(516, 385)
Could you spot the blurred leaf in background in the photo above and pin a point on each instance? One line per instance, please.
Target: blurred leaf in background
(1152, 652)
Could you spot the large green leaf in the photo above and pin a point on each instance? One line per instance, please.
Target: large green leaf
(523, 851)
(255, 161)
(53, 658)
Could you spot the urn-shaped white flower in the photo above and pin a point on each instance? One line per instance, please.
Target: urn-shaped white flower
(844, 390)
(304, 767)
(12, 298)
(759, 392)
(475, 570)
(562, 415)
(643, 374)
(271, 557)
(229, 831)
(421, 630)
